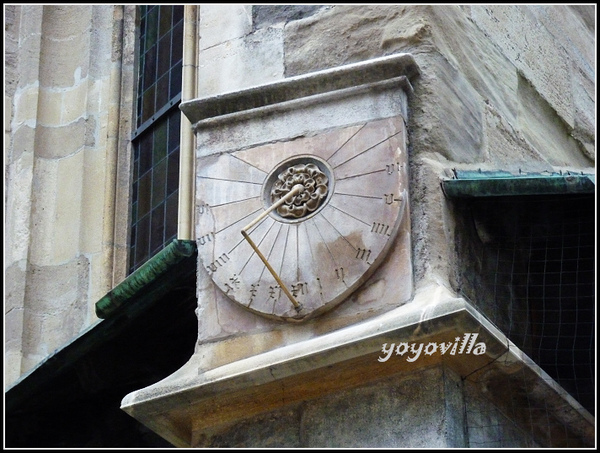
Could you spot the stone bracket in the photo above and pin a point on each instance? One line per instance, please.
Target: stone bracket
(194, 400)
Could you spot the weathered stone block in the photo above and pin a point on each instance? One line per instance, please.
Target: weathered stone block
(533, 50)
(241, 63)
(547, 133)
(222, 23)
(278, 429)
(60, 141)
(66, 233)
(69, 22)
(50, 107)
(25, 106)
(55, 309)
(507, 148)
(56, 201)
(407, 412)
(92, 203)
(18, 206)
(74, 103)
(266, 15)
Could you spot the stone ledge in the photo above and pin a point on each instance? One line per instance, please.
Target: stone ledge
(181, 406)
(371, 72)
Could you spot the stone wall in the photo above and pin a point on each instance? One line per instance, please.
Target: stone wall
(501, 88)
(63, 93)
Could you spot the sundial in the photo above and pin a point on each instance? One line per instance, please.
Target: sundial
(289, 229)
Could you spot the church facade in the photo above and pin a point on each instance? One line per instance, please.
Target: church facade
(300, 226)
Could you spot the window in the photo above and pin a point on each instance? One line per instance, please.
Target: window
(156, 140)
(528, 262)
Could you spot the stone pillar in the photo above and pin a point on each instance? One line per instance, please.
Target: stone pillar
(23, 41)
(62, 174)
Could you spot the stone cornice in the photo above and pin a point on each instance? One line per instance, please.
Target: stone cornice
(398, 67)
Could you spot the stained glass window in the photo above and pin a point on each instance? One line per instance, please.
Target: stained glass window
(156, 138)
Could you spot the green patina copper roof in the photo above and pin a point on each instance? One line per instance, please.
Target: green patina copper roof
(144, 279)
(141, 307)
(467, 184)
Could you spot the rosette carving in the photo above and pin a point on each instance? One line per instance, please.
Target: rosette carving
(315, 184)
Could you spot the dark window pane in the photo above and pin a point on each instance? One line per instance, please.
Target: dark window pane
(162, 91)
(151, 27)
(149, 68)
(174, 130)
(145, 153)
(164, 55)
(175, 80)
(142, 239)
(134, 210)
(177, 47)
(143, 10)
(166, 14)
(177, 14)
(148, 104)
(158, 227)
(160, 142)
(134, 191)
(541, 286)
(133, 233)
(159, 178)
(144, 192)
(136, 164)
(171, 217)
(173, 172)
(139, 111)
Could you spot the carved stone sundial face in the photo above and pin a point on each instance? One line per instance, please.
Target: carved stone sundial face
(290, 229)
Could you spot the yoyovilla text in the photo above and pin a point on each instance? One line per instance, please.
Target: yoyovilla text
(413, 351)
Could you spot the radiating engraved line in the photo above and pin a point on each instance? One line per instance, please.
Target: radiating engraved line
(340, 234)
(236, 245)
(362, 174)
(326, 246)
(232, 202)
(282, 261)
(312, 256)
(238, 221)
(248, 163)
(273, 246)
(229, 180)
(268, 259)
(349, 215)
(310, 251)
(287, 235)
(297, 229)
(344, 144)
(366, 150)
(360, 196)
(252, 251)
(328, 250)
